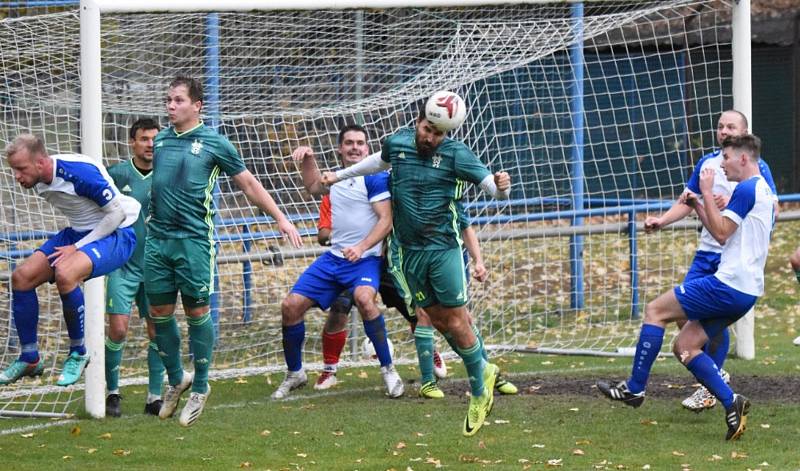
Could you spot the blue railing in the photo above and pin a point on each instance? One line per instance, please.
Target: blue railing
(596, 207)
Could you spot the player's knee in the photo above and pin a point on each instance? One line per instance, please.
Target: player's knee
(364, 299)
(20, 281)
(794, 259)
(66, 279)
(336, 322)
(117, 333)
(290, 311)
(652, 313)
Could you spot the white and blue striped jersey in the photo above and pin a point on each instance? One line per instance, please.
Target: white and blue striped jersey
(79, 190)
(352, 216)
(721, 187)
(744, 254)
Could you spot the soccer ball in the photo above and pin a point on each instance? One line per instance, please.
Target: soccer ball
(445, 110)
(368, 350)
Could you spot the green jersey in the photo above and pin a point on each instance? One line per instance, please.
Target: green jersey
(131, 182)
(425, 192)
(185, 170)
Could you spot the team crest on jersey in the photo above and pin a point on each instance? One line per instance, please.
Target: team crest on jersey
(197, 146)
(402, 155)
(437, 160)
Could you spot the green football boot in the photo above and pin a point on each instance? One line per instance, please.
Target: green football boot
(73, 369)
(481, 406)
(430, 390)
(20, 368)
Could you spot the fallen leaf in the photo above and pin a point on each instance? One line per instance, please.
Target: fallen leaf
(245, 464)
(121, 452)
(338, 433)
(578, 452)
(648, 422)
(738, 455)
(66, 457)
(583, 442)
(105, 436)
(241, 381)
(75, 432)
(537, 445)
(363, 374)
(574, 409)
(678, 453)
(400, 445)
(91, 451)
(554, 463)
(715, 458)
(264, 433)
(764, 425)
(28, 435)
(302, 455)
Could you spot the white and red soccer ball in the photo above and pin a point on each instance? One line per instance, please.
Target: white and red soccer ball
(445, 110)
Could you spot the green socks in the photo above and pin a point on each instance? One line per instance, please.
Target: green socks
(168, 339)
(201, 338)
(423, 340)
(473, 361)
(113, 360)
(155, 369)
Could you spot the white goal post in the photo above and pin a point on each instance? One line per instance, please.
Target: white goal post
(569, 270)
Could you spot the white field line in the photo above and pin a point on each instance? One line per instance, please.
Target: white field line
(300, 397)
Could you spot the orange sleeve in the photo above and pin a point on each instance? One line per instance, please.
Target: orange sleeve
(325, 213)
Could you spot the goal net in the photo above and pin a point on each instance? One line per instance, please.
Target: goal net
(639, 83)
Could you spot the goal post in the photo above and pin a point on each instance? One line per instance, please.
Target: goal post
(597, 125)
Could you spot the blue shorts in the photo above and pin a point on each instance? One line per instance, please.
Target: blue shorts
(329, 275)
(713, 303)
(703, 264)
(106, 254)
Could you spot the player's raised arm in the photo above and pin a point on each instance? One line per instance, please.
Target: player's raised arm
(370, 165)
(259, 196)
(497, 185)
(312, 178)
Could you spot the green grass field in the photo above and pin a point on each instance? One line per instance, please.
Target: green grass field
(558, 421)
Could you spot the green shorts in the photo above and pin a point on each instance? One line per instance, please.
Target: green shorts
(185, 265)
(394, 268)
(435, 277)
(121, 292)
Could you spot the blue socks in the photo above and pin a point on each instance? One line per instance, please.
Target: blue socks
(25, 309)
(717, 348)
(73, 316)
(705, 370)
(376, 331)
(293, 337)
(647, 350)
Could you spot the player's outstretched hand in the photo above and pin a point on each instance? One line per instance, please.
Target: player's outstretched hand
(707, 179)
(652, 224)
(61, 254)
(480, 272)
(301, 153)
(329, 178)
(290, 232)
(502, 181)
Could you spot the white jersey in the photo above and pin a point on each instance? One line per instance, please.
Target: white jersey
(744, 254)
(79, 190)
(352, 215)
(721, 187)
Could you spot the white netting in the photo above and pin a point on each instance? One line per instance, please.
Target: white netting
(656, 74)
